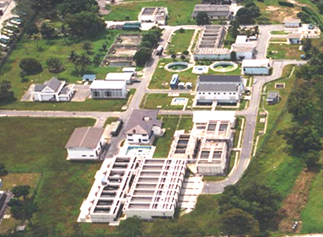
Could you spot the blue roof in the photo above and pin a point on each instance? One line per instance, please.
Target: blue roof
(90, 77)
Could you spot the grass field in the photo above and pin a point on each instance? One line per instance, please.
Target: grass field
(278, 32)
(154, 100)
(312, 217)
(36, 146)
(61, 49)
(180, 41)
(284, 51)
(179, 11)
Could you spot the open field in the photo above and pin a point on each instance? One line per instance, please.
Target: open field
(36, 145)
(179, 11)
(180, 41)
(284, 51)
(154, 101)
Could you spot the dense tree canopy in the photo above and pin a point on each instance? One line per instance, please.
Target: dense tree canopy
(30, 65)
(73, 7)
(6, 95)
(85, 24)
(202, 18)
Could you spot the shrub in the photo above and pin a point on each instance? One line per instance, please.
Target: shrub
(30, 65)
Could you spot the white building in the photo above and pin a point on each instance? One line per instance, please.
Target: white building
(220, 89)
(256, 67)
(156, 188)
(156, 15)
(292, 22)
(131, 70)
(146, 188)
(85, 144)
(108, 89)
(244, 49)
(213, 11)
(143, 126)
(114, 76)
(107, 195)
(54, 90)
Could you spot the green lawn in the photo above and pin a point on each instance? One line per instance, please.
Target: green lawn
(284, 51)
(278, 40)
(279, 32)
(153, 100)
(186, 123)
(311, 216)
(163, 143)
(59, 48)
(180, 41)
(179, 11)
(36, 145)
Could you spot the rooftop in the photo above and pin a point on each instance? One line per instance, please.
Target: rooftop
(53, 84)
(100, 84)
(142, 121)
(292, 20)
(118, 76)
(217, 87)
(256, 63)
(219, 78)
(206, 116)
(87, 137)
(212, 10)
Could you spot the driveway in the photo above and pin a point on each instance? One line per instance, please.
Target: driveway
(81, 93)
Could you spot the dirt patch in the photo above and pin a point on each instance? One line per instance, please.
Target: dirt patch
(272, 8)
(297, 3)
(295, 202)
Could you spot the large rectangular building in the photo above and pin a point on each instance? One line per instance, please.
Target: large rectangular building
(256, 66)
(157, 15)
(108, 89)
(213, 11)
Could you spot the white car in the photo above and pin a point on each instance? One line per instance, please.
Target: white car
(255, 81)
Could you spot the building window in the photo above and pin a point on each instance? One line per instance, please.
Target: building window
(130, 140)
(209, 93)
(224, 93)
(144, 140)
(129, 135)
(83, 155)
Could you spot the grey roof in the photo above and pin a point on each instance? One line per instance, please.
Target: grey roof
(212, 10)
(272, 94)
(142, 122)
(148, 11)
(39, 87)
(53, 84)
(218, 87)
(87, 137)
(64, 91)
(219, 78)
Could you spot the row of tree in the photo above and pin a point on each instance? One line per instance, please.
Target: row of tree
(304, 103)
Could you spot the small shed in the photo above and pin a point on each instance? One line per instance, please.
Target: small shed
(294, 38)
(89, 77)
(272, 97)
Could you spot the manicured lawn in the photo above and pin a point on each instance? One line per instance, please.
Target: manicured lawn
(163, 143)
(179, 11)
(280, 40)
(61, 49)
(162, 77)
(278, 32)
(312, 217)
(186, 123)
(36, 145)
(284, 51)
(234, 72)
(180, 41)
(153, 100)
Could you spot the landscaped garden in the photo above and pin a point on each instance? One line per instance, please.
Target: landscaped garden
(284, 51)
(163, 101)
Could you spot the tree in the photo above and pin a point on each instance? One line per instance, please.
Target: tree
(21, 190)
(142, 56)
(311, 159)
(130, 227)
(233, 56)
(30, 65)
(202, 18)
(54, 65)
(238, 222)
(73, 7)
(23, 210)
(47, 32)
(301, 138)
(3, 170)
(87, 46)
(320, 6)
(245, 16)
(6, 95)
(36, 37)
(85, 24)
(97, 60)
(185, 52)
(32, 29)
(84, 61)
(183, 57)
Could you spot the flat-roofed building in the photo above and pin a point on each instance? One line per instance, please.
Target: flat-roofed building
(208, 46)
(213, 11)
(85, 143)
(157, 15)
(292, 22)
(256, 66)
(108, 193)
(294, 38)
(156, 188)
(115, 76)
(244, 48)
(108, 89)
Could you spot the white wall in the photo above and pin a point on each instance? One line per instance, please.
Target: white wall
(82, 153)
(211, 56)
(149, 214)
(224, 97)
(255, 70)
(138, 138)
(246, 55)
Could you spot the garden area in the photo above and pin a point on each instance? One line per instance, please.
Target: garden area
(284, 51)
(60, 48)
(179, 11)
(163, 101)
(33, 153)
(180, 42)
